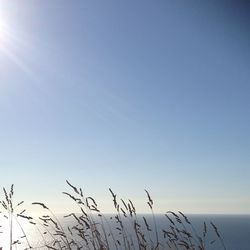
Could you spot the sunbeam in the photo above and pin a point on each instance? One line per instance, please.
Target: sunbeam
(15, 49)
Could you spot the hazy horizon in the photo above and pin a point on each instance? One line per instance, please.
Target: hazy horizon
(127, 95)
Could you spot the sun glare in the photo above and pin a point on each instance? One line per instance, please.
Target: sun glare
(12, 45)
(5, 235)
(5, 31)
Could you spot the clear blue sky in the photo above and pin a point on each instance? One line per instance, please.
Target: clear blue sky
(127, 95)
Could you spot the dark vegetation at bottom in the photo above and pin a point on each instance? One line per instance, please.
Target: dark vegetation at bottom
(88, 228)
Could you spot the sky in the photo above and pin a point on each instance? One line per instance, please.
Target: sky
(130, 95)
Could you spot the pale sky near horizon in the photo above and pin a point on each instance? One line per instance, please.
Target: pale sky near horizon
(128, 95)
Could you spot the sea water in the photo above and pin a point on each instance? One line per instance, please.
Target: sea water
(234, 230)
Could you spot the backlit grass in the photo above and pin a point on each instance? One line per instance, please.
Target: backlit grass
(88, 228)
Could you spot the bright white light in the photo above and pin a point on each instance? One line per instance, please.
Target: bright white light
(15, 47)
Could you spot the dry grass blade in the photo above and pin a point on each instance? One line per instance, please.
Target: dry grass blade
(204, 229)
(149, 198)
(20, 203)
(215, 229)
(124, 204)
(71, 196)
(185, 217)
(73, 187)
(6, 195)
(218, 235)
(114, 198)
(12, 190)
(171, 221)
(93, 200)
(146, 224)
(40, 204)
(24, 216)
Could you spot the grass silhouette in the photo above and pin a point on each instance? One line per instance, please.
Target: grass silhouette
(88, 228)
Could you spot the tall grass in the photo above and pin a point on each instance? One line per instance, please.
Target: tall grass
(87, 228)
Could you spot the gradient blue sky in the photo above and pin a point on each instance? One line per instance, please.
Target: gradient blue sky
(127, 95)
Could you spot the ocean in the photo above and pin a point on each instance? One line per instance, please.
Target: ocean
(234, 230)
